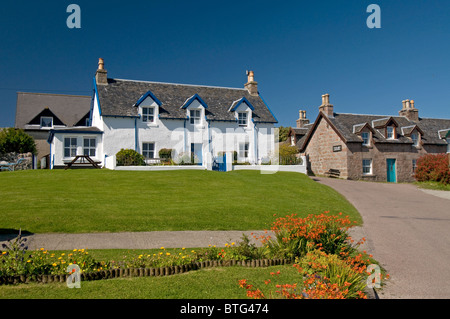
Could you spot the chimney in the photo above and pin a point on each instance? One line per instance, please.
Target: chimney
(302, 120)
(101, 76)
(326, 107)
(251, 85)
(409, 111)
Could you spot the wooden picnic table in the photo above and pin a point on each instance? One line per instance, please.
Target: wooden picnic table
(84, 160)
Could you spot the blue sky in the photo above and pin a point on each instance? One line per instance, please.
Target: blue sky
(298, 50)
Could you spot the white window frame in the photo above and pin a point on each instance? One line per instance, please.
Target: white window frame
(242, 119)
(195, 116)
(416, 139)
(146, 151)
(148, 114)
(89, 149)
(46, 118)
(72, 148)
(367, 166)
(244, 150)
(390, 132)
(366, 141)
(448, 145)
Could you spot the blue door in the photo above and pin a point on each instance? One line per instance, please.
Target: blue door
(196, 153)
(390, 164)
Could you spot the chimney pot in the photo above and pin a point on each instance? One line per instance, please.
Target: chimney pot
(251, 85)
(326, 107)
(101, 76)
(302, 120)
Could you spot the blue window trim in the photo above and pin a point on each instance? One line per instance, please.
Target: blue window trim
(146, 95)
(242, 100)
(192, 99)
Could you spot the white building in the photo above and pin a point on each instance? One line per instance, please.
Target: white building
(188, 119)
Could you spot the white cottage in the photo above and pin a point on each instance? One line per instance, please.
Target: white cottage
(189, 119)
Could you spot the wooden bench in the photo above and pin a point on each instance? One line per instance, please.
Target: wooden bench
(333, 172)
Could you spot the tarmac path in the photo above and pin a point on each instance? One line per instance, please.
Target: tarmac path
(407, 231)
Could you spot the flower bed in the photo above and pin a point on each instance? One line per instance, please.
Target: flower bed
(328, 260)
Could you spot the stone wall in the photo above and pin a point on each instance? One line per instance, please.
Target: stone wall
(404, 154)
(14, 157)
(322, 152)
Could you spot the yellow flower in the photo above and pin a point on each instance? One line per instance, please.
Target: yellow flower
(59, 258)
(183, 248)
(54, 265)
(168, 254)
(74, 249)
(162, 248)
(4, 253)
(232, 243)
(42, 248)
(62, 254)
(28, 261)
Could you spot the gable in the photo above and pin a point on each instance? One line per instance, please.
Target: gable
(46, 113)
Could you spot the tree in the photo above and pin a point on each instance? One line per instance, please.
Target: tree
(283, 133)
(14, 140)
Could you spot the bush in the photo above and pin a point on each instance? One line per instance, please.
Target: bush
(295, 236)
(128, 157)
(433, 168)
(16, 141)
(165, 153)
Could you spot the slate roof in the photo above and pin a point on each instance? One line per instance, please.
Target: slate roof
(347, 126)
(119, 97)
(69, 109)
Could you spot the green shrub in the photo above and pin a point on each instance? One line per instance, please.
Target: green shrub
(16, 141)
(165, 153)
(128, 157)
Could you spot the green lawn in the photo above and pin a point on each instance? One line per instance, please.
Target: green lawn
(78, 201)
(208, 283)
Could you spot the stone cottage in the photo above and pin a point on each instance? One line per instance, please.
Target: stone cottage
(370, 147)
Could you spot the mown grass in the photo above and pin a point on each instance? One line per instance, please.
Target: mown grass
(80, 201)
(433, 186)
(208, 283)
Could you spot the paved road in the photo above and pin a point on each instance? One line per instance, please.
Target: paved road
(408, 231)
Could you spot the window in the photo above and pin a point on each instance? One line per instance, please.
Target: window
(148, 150)
(415, 139)
(89, 146)
(194, 116)
(365, 137)
(367, 166)
(46, 121)
(242, 119)
(148, 114)
(70, 147)
(414, 165)
(448, 145)
(243, 150)
(390, 132)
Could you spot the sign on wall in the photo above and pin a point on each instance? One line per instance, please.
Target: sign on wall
(337, 148)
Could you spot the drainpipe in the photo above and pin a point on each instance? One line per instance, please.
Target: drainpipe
(135, 135)
(255, 140)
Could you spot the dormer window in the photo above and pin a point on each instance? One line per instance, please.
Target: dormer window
(242, 118)
(148, 114)
(415, 139)
(195, 116)
(390, 132)
(46, 122)
(366, 138)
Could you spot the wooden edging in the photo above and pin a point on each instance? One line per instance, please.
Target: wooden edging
(143, 272)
